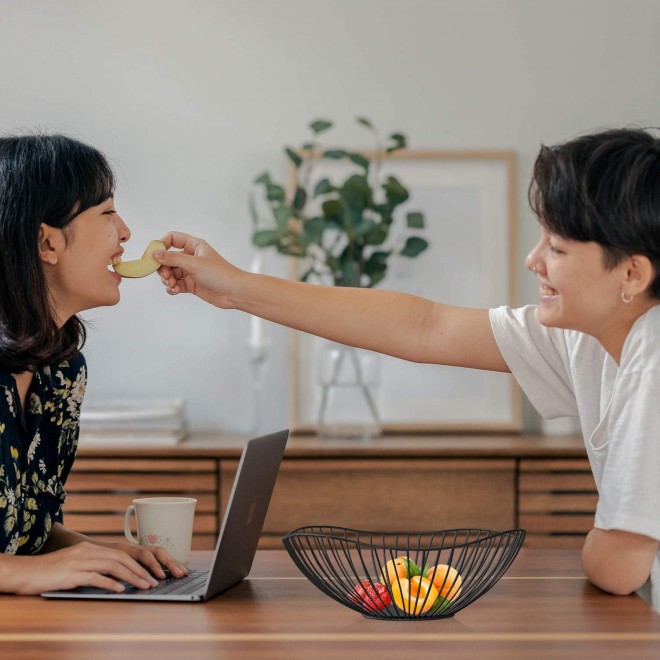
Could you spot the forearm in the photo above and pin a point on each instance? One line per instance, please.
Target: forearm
(398, 324)
(618, 562)
(12, 573)
(61, 537)
(384, 321)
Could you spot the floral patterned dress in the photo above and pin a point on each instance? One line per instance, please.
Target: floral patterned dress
(37, 451)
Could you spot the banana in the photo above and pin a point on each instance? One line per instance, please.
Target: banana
(141, 267)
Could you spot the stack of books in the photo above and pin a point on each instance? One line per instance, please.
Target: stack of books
(124, 423)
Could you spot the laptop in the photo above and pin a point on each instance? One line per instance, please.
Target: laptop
(237, 541)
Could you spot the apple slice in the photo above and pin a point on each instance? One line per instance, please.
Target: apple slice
(141, 267)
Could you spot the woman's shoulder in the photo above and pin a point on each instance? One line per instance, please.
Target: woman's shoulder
(521, 324)
(642, 347)
(72, 369)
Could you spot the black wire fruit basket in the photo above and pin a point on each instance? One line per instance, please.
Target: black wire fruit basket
(406, 575)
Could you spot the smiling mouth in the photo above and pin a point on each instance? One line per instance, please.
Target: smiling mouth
(115, 260)
(548, 290)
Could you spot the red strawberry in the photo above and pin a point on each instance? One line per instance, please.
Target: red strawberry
(372, 597)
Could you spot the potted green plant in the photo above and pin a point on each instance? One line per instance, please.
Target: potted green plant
(341, 229)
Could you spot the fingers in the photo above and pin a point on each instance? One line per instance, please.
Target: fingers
(147, 559)
(102, 582)
(181, 241)
(153, 558)
(173, 280)
(175, 259)
(115, 563)
(131, 572)
(160, 557)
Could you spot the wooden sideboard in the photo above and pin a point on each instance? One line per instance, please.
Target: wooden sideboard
(540, 483)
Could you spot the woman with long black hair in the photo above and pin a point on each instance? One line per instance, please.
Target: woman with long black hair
(59, 232)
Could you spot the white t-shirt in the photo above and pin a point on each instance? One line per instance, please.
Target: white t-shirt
(568, 373)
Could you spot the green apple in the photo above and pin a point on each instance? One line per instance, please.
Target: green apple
(141, 267)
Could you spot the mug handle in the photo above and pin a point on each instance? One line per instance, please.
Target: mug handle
(127, 525)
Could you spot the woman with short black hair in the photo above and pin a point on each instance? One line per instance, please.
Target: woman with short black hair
(59, 231)
(590, 348)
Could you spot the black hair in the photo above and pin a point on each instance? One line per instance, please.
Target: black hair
(603, 187)
(49, 179)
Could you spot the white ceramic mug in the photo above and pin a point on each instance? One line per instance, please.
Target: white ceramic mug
(166, 522)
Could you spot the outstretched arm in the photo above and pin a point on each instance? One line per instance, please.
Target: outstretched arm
(402, 325)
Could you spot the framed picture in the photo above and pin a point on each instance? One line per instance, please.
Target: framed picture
(468, 199)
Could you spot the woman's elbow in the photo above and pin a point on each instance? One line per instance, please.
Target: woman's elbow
(617, 585)
(621, 576)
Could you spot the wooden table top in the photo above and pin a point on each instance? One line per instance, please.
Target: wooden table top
(466, 445)
(542, 608)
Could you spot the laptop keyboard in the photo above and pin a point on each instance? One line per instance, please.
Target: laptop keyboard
(193, 582)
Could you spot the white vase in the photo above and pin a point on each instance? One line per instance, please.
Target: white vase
(347, 402)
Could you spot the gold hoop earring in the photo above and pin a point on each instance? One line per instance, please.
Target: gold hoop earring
(626, 300)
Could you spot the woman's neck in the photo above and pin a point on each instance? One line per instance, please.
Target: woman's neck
(23, 382)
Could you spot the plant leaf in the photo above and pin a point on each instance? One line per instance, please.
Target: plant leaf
(377, 277)
(335, 154)
(274, 192)
(365, 122)
(293, 157)
(299, 199)
(282, 214)
(414, 246)
(265, 238)
(415, 220)
(360, 160)
(314, 228)
(252, 203)
(322, 187)
(377, 236)
(350, 272)
(320, 125)
(376, 263)
(356, 193)
(395, 192)
(333, 210)
(365, 226)
(399, 142)
(264, 178)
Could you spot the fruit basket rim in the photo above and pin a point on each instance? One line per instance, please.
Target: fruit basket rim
(308, 531)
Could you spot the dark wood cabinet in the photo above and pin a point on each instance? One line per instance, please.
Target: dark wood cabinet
(402, 483)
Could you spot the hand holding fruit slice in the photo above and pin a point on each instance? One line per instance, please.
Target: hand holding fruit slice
(414, 596)
(372, 597)
(446, 580)
(141, 267)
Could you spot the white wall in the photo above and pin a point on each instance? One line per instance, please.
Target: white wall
(192, 99)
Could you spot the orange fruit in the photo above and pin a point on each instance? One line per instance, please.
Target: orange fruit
(414, 596)
(395, 568)
(446, 580)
